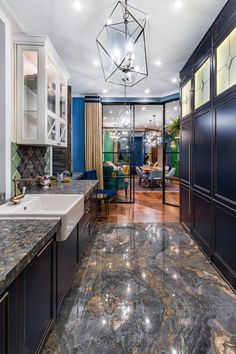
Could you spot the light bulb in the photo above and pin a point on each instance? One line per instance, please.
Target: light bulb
(109, 21)
(178, 4)
(77, 5)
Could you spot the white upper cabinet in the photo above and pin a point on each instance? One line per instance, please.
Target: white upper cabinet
(41, 92)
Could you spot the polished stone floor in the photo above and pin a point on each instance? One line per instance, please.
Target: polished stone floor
(145, 288)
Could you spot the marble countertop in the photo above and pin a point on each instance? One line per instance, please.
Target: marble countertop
(73, 187)
(20, 242)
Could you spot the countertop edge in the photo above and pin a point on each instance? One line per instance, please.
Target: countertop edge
(27, 259)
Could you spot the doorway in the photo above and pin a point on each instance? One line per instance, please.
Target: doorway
(148, 144)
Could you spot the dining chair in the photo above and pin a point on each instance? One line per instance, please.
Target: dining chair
(154, 177)
(142, 176)
(170, 174)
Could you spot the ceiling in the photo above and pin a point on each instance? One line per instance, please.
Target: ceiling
(143, 115)
(173, 36)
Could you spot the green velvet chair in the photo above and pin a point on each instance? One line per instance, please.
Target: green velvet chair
(114, 180)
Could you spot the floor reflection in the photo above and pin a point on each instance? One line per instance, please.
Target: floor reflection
(145, 288)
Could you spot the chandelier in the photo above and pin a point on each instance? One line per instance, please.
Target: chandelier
(153, 137)
(122, 46)
(119, 134)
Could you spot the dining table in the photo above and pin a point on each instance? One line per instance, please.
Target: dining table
(149, 169)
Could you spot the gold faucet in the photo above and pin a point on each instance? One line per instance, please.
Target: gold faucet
(17, 196)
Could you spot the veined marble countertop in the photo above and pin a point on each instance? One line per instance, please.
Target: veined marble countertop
(20, 242)
(73, 187)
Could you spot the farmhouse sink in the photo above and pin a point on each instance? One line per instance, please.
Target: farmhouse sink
(69, 208)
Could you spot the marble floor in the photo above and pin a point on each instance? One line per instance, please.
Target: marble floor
(145, 288)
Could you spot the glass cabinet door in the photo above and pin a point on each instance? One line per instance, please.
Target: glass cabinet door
(202, 84)
(51, 100)
(63, 98)
(226, 63)
(62, 132)
(186, 99)
(30, 94)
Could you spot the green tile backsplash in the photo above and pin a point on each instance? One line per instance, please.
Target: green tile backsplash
(29, 161)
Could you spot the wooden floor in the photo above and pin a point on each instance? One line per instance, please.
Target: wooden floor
(148, 207)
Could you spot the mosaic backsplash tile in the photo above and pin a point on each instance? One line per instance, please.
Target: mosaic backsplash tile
(29, 161)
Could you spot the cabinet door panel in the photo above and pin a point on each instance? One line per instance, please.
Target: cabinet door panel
(202, 151)
(35, 301)
(225, 167)
(4, 333)
(225, 240)
(185, 158)
(202, 222)
(84, 232)
(185, 205)
(66, 264)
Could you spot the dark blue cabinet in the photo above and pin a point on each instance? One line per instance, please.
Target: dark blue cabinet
(36, 301)
(185, 205)
(67, 258)
(202, 151)
(4, 323)
(186, 151)
(202, 221)
(207, 155)
(225, 242)
(225, 166)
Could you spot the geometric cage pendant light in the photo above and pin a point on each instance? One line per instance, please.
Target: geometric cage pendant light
(122, 46)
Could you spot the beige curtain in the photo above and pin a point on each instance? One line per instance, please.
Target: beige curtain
(93, 139)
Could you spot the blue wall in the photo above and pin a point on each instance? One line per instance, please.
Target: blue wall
(78, 144)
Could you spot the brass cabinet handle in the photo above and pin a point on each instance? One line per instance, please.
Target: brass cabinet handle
(44, 248)
(4, 297)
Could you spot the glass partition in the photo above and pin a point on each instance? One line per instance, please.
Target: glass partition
(118, 138)
(136, 150)
(171, 153)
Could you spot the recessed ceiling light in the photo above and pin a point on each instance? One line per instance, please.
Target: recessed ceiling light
(110, 112)
(143, 108)
(174, 80)
(158, 62)
(105, 91)
(175, 108)
(147, 91)
(77, 5)
(109, 21)
(96, 63)
(178, 4)
(104, 117)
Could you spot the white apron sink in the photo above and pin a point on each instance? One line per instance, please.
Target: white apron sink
(69, 208)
